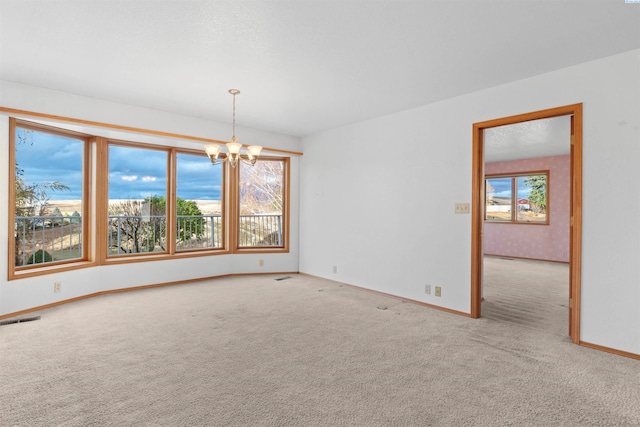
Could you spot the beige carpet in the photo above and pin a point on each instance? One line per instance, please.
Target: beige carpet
(530, 294)
(252, 351)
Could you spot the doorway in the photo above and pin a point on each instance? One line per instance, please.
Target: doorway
(575, 211)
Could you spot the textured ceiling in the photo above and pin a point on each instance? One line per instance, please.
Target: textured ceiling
(537, 138)
(302, 66)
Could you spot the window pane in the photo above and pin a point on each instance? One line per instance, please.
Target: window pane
(261, 203)
(137, 200)
(532, 198)
(48, 197)
(199, 203)
(498, 199)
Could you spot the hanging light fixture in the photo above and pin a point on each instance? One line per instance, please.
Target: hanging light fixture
(234, 148)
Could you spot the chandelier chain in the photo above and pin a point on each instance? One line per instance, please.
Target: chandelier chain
(234, 115)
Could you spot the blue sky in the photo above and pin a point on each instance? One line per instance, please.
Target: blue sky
(502, 188)
(47, 158)
(134, 173)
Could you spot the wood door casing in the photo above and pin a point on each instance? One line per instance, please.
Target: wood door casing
(477, 208)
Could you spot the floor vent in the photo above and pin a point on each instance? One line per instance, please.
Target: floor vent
(24, 319)
(283, 278)
(507, 259)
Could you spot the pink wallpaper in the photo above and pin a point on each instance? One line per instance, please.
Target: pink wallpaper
(546, 242)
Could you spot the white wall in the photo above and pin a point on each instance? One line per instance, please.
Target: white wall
(378, 197)
(17, 295)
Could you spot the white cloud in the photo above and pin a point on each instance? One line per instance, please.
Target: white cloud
(148, 178)
(129, 177)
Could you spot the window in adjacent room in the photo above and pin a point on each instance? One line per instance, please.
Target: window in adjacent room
(518, 198)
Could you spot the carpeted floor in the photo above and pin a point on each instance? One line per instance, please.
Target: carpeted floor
(530, 294)
(253, 351)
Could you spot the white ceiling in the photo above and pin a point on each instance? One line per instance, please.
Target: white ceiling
(302, 66)
(527, 140)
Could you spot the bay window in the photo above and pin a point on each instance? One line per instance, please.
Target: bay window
(151, 201)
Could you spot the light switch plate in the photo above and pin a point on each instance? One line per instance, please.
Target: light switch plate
(462, 208)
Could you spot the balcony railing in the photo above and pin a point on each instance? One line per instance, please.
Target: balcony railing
(134, 234)
(46, 239)
(198, 232)
(260, 230)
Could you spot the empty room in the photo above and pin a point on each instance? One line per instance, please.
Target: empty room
(319, 213)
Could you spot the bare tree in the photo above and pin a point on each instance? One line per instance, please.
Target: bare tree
(261, 203)
(141, 225)
(490, 192)
(261, 188)
(136, 226)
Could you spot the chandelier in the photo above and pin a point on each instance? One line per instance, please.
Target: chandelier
(233, 154)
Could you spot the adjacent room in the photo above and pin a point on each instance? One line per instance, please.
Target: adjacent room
(319, 213)
(526, 234)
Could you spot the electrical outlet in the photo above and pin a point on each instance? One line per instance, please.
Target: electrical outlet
(462, 208)
(261, 263)
(335, 269)
(427, 289)
(438, 291)
(57, 286)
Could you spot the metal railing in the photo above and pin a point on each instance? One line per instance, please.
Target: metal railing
(46, 239)
(199, 232)
(134, 234)
(260, 230)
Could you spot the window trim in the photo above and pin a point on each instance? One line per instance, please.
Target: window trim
(88, 258)
(514, 197)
